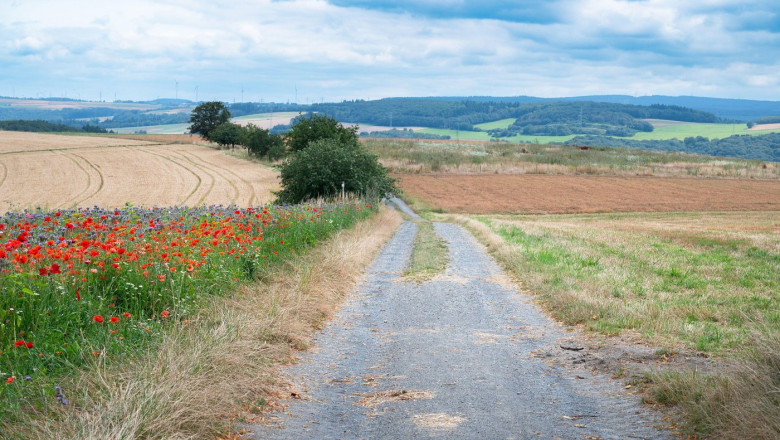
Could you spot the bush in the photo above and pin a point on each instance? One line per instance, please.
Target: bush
(260, 142)
(307, 129)
(319, 170)
(227, 134)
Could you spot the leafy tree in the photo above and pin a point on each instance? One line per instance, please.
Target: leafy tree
(208, 116)
(227, 134)
(260, 142)
(313, 127)
(319, 169)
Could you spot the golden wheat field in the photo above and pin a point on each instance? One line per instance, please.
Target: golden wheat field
(64, 171)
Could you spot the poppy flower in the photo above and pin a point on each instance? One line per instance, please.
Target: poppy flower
(114, 319)
(126, 315)
(165, 313)
(97, 318)
(29, 345)
(18, 343)
(10, 379)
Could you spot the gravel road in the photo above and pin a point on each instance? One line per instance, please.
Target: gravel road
(464, 356)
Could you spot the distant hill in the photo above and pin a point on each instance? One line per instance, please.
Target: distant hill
(548, 118)
(742, 110)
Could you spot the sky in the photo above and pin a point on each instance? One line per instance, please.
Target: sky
(309, 51)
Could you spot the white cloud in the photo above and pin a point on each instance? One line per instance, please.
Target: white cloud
(596, 46)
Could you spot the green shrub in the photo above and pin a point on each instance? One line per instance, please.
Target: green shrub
(320, 169)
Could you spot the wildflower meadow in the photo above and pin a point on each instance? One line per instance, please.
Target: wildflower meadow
(79, 284)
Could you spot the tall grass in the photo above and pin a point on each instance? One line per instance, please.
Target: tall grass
(419, 156)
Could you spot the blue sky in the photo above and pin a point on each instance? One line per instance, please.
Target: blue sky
(317, 50)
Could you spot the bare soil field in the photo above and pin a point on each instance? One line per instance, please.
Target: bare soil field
(496, 194)
(761, 127)
(53, 171)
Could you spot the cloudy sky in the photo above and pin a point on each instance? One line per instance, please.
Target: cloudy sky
(314, 50)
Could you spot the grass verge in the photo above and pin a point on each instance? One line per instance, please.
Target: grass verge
(704, 282)
(210, 368)
(429, 256)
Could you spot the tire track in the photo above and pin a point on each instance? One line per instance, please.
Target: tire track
(188, 169)
(100, 177)
(5, 174)
(73, 201)
(252, 193)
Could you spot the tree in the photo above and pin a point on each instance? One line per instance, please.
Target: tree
(319, 169)
(208, 116)
(227, 134)
(261, 143)
(307, 129)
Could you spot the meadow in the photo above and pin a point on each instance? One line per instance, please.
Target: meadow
(452, 157)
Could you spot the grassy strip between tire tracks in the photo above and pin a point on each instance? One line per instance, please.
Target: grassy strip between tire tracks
(218, 365)
(429, 256)
(704, 282)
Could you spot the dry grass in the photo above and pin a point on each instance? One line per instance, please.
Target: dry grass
(693, 282)
(464, 157)
(220, 365)
(54, 171)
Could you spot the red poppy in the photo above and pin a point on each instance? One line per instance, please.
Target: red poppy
(43, 272)
(114, 319)
(97, 318)
(10, 379)
(18, 343)
(165, 313)
(126, 315)
(29, 345)
(54, 269)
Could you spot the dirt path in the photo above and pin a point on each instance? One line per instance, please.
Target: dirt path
(462, 356)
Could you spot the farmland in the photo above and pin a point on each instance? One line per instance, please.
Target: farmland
(662, 130)
(486, 194)
(53, 171)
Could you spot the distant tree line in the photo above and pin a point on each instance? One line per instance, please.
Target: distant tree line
(764, 147)
(406, 133)
(540, 118)
(40, 126)
(768, 120)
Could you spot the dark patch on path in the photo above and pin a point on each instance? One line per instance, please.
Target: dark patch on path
(455, 357)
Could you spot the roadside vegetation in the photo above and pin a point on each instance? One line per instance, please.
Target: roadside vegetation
(408, 156)
(691, 282)
(195, 373)
(93, 286)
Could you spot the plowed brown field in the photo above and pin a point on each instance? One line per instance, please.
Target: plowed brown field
(55, 171)
(492, 194)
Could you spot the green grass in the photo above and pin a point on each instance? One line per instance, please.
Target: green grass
(502, 124)
(429, 256)
(700, 287)
(711, 131)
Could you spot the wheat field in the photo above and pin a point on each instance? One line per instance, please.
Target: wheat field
(64, 171)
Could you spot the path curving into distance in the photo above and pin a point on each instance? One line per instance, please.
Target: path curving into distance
(459, 357)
